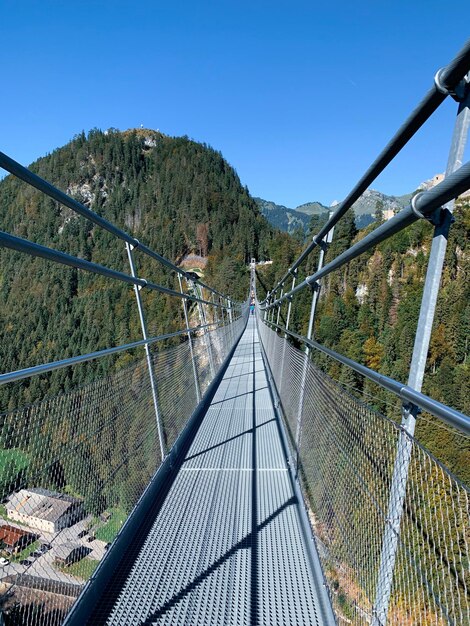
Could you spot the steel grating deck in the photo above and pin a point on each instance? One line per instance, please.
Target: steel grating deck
(227, 546)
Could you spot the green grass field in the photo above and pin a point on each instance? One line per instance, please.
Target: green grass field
(12, 461)
(81, 569)
(110, 529)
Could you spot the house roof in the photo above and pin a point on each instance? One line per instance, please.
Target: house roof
(10, 535)
(64, 550)
(41, 504)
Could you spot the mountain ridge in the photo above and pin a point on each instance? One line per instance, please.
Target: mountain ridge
(177, 196)
(364, 208)
(279, 216)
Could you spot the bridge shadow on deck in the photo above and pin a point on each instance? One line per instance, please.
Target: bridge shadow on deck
(245, 544)
(225, 564)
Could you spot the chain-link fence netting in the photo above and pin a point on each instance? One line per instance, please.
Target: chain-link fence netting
(73, 467)
(346, 456)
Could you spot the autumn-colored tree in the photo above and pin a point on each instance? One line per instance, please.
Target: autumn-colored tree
(373, 353)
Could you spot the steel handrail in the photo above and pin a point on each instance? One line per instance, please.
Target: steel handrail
(37, 250)
(36, 370)
(26, 175)
(445, 82)
(422, 206)
(454, 418)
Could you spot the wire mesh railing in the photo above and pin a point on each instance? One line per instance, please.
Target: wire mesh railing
(344, 452)
(74, 466)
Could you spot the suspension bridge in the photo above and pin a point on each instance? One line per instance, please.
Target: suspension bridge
(259, 490)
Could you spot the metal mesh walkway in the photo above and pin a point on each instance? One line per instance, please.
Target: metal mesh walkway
(227, 546)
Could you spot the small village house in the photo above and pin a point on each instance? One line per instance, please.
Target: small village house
(43, 509)
(13, 540)
(69, 552)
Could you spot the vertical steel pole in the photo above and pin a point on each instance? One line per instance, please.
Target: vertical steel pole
(289, 307)
(215, 313)
(269, 312)
(205, 332)
(315, 294)
(147, 353)
(313, 308)
(230, 319)
(416, 375)
(225, 336)
(279, 308)
(266, 312)
(190, 339)
(273, 309)
(222, 310)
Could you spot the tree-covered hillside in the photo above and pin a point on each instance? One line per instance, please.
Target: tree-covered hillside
(176, 195)
(288, 220)
(368, 310)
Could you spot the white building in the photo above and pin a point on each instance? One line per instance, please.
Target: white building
(43, 509)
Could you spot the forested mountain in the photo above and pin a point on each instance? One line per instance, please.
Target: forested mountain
(180, 197)
(281, 217)
(368, 310)
(365, 208)
(176, 195)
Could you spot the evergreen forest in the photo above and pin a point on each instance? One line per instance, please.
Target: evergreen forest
(179, 197)
(368, 310)
(183, 200)
(88, 430)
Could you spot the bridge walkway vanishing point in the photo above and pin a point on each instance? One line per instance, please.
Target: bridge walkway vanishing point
(228, 545)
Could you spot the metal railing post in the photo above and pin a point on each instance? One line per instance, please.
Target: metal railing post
(315, 293)
(416, 375)
(225, 338)
(269, 311)
(289, 307)
(222, 310)
(230, 319)
(272, 314)
(190, 339)
(279, 308)
(203, 320)
(266, 312)
(215, 313)
(153, 385)
(313, 307)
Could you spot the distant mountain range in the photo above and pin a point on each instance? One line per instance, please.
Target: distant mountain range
(291, 220)
(283, 218)
(312, 208)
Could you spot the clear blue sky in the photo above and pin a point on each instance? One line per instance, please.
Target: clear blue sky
(299, 96)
